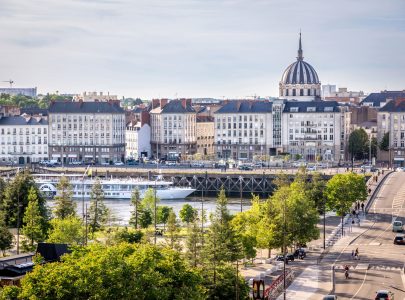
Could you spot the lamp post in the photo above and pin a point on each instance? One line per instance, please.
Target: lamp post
(284, 252)
(18, 221)
(155, 208)
(324, 222)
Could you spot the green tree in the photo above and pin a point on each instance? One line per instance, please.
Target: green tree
(194, 244)
(163, 213)
(149, 201)
(316, 191)
(69, 230)
(136, 212)
(33, 229)
(225, 283)
(64, 205)
(9, 292)
(385, 142)
(187, 213)
(123, 271)
(172, 233)
(6, 237)
(15, 199)
(146, 218)
(358, 143)
(98, 212)
(124, 235)
(343, 190)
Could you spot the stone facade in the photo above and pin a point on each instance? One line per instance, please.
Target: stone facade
(92, 132)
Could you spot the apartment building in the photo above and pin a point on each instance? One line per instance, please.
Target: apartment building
(243, 129)
(23, 139)
(391, 119)
(313, 129)
(137, 140)
(92, 132)
(173, 126)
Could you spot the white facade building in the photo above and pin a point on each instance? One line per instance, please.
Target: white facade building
(243, 129)
(137, 140)
(92, 132)
(23, 139)
(173, 126)
(313, 129)
(391, 119)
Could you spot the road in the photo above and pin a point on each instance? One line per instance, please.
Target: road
(381, 262)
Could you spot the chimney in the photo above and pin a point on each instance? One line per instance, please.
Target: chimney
(155, 103)
(163, 102)
(185, 102)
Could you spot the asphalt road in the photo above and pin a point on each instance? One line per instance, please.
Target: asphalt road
(381, 262)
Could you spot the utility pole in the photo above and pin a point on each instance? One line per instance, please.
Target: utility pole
(18, 221)
(86, 234)
(369, 150)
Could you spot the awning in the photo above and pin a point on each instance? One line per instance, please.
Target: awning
(399, 158)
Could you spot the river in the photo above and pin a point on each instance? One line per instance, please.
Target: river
(121, 209)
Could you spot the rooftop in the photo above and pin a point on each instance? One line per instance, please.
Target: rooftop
(397, 105)
(311, 106)
(85, 107)
(376, 98)
(19, 120)
(245, 106)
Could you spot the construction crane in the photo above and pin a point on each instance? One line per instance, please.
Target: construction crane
(10, 82)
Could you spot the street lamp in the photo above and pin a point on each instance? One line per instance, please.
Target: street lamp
(155, 208)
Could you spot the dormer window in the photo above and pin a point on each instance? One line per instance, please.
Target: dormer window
(294, 109)
(311, 109)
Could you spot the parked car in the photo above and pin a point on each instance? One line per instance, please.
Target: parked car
(245, 167)
(132, 162)
(330, 297)
(311, 168)
(300, 253)
(197, 165)
(171, 163)
(399, 239)
(105, 163)
(76, 162)
(118, 163)
(280, 257)
(384, 295)
(397, 226)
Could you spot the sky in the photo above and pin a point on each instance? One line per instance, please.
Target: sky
(199, 48)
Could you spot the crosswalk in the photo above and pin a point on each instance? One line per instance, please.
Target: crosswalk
(369, 267)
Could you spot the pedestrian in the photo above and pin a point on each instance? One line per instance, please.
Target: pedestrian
(369, 191)
(362, 206)
(352, 254)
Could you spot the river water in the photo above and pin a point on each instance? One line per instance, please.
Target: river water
(121, 209)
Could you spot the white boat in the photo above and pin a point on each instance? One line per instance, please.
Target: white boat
(114, 188)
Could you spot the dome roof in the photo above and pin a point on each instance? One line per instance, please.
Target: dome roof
(300, 72)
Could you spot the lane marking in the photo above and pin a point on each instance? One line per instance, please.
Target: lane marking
(364, 279)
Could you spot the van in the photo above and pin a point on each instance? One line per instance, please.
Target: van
(397, 226)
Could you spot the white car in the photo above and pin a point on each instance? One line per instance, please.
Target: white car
(105, 163)
(118, 163)
(170, 163)
(400, 169)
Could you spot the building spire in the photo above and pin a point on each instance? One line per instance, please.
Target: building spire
(300, 57)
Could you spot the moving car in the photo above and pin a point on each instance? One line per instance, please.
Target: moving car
(384, 295)
(399, 240)
(397, 226)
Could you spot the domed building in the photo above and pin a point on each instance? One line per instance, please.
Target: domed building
(300, 80)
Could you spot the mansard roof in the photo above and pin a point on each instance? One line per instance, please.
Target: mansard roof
(19, 120)
(82, 107)
(311, 106)
(245, 106)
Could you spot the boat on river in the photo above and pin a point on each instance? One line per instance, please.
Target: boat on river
(113, 188)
